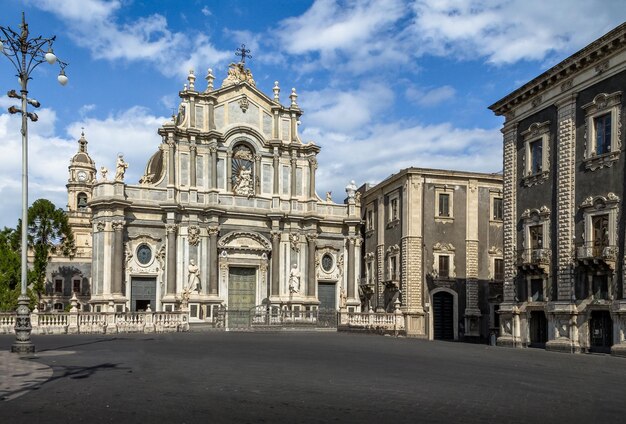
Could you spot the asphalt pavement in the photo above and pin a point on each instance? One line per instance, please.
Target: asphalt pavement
(298, 377)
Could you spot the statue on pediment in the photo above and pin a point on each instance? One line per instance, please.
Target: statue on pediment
(237, 73)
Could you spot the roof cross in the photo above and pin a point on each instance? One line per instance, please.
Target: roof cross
(243, 52)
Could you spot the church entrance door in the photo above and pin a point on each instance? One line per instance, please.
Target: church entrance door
(327, 294)
(142, 293)
(241, 296)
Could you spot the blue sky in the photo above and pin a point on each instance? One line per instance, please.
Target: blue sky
(385, 84)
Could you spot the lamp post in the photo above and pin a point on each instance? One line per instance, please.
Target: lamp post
(26, 54)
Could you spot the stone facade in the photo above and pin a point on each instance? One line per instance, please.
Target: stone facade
(563, 204)
(226, 214)
(419, 221)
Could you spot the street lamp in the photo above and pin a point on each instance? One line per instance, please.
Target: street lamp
(26, 54)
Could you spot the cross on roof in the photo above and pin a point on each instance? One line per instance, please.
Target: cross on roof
(243, 52)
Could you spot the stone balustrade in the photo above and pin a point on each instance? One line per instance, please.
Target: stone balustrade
(379, 322)
(99, 322)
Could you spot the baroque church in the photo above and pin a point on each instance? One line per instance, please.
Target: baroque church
(226, 215)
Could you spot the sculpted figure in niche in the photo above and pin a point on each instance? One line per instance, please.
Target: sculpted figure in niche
(193, 279)
(120, 168)
(243, 185)
(242, 165)
(294, 279)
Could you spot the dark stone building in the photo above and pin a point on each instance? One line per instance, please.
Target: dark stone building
(564, 192)
(433, 239)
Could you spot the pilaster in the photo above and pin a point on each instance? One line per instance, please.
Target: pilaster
(563, 331)
(566, 161)
(311, 239)
(171, 230)
(509, 313)
(213, 262)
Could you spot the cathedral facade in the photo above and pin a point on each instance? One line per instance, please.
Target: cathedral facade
(226, 215)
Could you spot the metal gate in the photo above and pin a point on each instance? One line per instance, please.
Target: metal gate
(600, 331)
(443, 312)
(262, 317)
(327, 295)
(241, 296)
(142, 293)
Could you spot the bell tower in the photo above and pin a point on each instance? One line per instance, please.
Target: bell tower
(82, 177)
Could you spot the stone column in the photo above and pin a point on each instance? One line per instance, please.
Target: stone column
(213, 153)
(294, 181)
(171, 258)
(257, 174)
(171, 165)
(275, 290)
(310, 270)
(213, 255)
(192, 164)
(350, 265)
(229, 171)
(117, 257)
(509, 315)
(276, 171)
(312, 168)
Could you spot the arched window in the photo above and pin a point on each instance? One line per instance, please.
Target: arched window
(81, 201)
(243, 177)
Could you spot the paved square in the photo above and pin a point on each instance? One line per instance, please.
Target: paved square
(307, 377)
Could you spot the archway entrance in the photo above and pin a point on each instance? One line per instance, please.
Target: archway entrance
(600, 331)
(443, 316)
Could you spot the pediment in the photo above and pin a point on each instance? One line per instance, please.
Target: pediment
(243, 240)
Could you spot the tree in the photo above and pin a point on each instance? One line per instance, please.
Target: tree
(10, 270)
(49, 232)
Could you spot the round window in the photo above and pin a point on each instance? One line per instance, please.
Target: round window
(144, 254)
(327, 262)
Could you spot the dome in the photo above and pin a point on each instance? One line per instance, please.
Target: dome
(154, 169)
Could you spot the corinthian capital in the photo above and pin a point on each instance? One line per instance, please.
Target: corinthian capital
(117, 225)
(213, 230)
(171, 228)
(275, 235)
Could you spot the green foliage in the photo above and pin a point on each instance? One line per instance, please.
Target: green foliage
(10, 273)
(49, 232)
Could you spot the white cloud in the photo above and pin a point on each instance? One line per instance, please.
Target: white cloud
(132, 132)
(360, 36)
(430, 97)
(392, 147)
(354, 33)
(206, 11)
(506, 31)
(85, 109)
(93, 24)
(337, 110)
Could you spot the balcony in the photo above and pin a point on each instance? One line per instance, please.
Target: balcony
(534, 259)
(590, 254)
